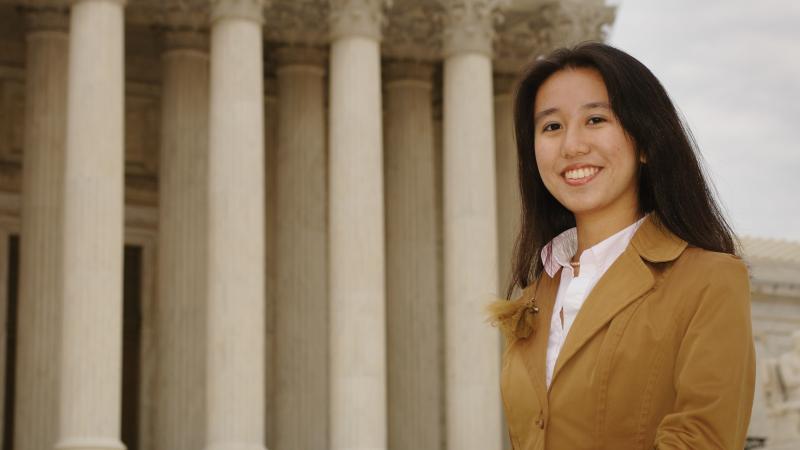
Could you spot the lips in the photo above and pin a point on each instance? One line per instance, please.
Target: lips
(576, 176)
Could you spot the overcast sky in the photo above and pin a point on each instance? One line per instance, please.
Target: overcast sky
(732, 67)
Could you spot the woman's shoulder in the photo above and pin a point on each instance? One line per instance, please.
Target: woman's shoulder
(711, 278)
(711, 263)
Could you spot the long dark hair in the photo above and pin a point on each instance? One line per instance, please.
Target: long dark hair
(671, 184)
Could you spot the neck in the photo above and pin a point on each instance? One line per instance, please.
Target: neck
(593, 230)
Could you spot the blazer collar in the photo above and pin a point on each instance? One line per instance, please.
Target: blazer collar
(655, 243)
(625, 281)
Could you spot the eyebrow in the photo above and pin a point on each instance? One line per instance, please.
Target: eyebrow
(591, 105)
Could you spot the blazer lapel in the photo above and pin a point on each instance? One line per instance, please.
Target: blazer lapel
(534, 348)
(625, 281)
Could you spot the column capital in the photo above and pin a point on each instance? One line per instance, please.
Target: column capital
(46, 18)
(357, 18)
(185, 39)
(399, 70)
(238, 9)
(469, 25)
(289, 56)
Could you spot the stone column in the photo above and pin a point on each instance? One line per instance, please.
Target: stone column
(180, 414)
(39, 308)
(470, 228)
(91, 340)
(301, 309)
(508, 201)
(357, 285)
(412, 282)
(236, 270)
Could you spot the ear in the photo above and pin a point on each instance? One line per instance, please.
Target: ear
(642, 157)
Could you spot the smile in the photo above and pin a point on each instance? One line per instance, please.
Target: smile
(582, 175)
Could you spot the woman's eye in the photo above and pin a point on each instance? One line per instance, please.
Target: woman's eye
(596, 120)
(551, 127)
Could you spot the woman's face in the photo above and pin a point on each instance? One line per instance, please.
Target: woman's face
(585, 158)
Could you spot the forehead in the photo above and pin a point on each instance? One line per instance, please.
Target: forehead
(569, 88)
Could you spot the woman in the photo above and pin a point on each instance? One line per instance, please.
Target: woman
(633, 328)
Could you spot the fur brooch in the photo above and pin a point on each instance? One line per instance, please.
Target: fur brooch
(515, 318)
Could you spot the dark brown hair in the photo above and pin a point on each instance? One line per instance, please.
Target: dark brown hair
(671, 184)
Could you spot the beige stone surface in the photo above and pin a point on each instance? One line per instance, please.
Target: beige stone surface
(39, 305)
(412, 278)
(508, 199)
(180, 413)
(356, 219)
(236, 291)
(301, 310)
(91, 344)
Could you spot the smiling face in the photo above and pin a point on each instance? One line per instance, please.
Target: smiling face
(585, 158)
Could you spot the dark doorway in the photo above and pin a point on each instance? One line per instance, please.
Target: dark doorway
(131, 345)
(11, 342)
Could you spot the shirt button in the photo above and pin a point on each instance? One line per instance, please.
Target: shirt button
(540, 423)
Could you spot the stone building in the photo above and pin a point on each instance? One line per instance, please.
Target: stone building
(231, 224)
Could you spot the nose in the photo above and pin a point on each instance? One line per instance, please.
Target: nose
(574, 143)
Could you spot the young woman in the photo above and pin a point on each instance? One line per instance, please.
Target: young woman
(633, 328)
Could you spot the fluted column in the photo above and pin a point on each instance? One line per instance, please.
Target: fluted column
(508, 201)
(412, 284)
(357, 285)
(235, 359)
(91, 342)
(301, 310)
(39, 307)
(182, 252)
(470, 228)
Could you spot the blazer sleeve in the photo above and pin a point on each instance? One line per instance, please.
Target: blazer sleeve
(715, 365)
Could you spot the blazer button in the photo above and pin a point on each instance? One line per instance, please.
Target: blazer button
(540, 423)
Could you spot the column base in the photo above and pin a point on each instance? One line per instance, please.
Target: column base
(89, 444)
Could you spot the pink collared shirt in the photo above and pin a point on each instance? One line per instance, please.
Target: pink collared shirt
(572, 290)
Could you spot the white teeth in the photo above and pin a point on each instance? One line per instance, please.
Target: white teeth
(584, 172)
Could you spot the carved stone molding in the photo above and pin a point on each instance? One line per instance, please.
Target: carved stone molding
(568, 22)
(357, 18)
(46, 18)
(298, 22)
(525, 35)
(238, 9)
(412, 31)
(468, 25)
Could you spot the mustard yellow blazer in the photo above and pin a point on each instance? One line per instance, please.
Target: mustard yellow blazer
(660, 355)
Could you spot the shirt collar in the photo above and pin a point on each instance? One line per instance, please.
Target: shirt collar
(558, 252)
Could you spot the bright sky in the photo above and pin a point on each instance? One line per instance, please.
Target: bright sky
(732, 67)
